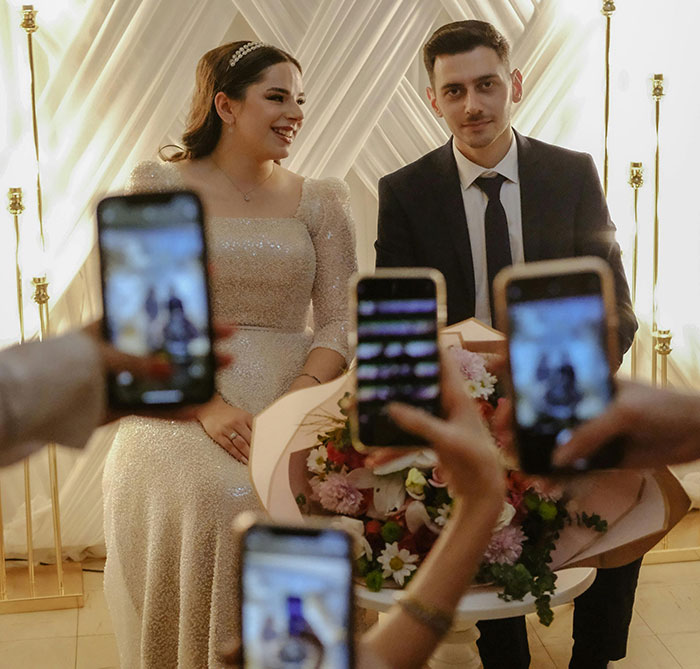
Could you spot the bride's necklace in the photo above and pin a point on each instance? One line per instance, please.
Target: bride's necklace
(244, 193)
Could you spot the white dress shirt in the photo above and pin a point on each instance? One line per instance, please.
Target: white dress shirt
(475, 201)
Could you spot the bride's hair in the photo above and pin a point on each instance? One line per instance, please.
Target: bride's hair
(214, 74)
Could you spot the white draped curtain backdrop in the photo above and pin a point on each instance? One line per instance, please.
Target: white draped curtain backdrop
(114, 78)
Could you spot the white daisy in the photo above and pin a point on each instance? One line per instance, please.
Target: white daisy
(316, 460)
(443, 515)
(397, 563)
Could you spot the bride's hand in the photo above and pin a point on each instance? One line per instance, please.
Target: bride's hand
(228, 426)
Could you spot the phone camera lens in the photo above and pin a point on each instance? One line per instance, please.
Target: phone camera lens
(125, 378)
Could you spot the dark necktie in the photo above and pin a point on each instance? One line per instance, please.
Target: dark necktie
(496, 230)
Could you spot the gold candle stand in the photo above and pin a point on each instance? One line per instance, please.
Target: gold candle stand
(636, 181)
(30, 26)
(657, 92)
(38, 590)
(662, 346)
(42, 587)
(607, 12)
(16, 207)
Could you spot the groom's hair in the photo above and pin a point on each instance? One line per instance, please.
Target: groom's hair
(462, 36)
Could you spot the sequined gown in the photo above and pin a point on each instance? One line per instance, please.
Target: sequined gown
(171, 492)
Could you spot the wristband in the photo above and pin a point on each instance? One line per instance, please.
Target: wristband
(437, 620)
(311, 376)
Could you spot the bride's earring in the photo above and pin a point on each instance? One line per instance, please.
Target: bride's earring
(230, 128)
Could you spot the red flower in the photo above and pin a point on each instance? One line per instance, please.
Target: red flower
(424, 538)
(373, 527)
(354, 460)
(409, 543)
(334, 455)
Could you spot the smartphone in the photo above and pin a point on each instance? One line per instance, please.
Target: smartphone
(296, 596)
(155, 295)
(560, 320)
(398, 313)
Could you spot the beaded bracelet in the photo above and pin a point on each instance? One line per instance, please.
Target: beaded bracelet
(435, 619)
(311, 376)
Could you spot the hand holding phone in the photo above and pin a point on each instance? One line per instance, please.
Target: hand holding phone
(296, 596)
(398, 313)
(559, 318)
(155, 296)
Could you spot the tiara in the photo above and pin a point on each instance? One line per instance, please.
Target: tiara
(243, 51)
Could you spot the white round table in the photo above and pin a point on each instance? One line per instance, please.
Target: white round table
(458, 649)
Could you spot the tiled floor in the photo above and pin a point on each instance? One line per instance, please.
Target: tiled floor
(665, 632)
(70, 639)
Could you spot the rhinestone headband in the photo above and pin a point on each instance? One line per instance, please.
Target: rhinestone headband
(243, 51)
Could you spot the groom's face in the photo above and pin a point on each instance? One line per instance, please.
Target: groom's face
(474, 92)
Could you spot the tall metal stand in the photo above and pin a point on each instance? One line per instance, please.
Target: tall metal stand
(607, 12)
(40, 590)
(657, 93)
(636, 181)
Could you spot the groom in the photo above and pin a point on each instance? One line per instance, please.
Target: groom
(540, 202)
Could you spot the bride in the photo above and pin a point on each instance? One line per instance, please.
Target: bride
(278, 243)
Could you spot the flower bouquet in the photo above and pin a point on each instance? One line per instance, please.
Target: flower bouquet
(396, 511)
(302, 462)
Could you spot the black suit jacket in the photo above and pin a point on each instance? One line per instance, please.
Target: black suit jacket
(422, 221)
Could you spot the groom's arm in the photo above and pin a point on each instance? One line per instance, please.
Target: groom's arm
(394, 247)
(595, 235)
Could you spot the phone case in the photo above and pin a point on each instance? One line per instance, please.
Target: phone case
(391, 273)
(554, 268)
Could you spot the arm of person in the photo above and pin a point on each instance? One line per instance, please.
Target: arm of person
(51, 391)
(596, 236)
(333, 238)
(393, 245)
(54, 391)
(469, 463)
(658, 427)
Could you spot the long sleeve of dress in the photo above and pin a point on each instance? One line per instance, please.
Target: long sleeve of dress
(49, 392)
(336, 260)
(150, 176)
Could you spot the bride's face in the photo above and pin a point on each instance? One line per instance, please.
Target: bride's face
(268, 119)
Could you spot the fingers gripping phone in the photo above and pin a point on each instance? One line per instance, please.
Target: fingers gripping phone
(560, 321)
(296, 597)
(398, 313)
(155, 295)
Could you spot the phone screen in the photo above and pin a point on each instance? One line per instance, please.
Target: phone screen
(297, 598)
(559, 361)
(154, 288)
(397, 354)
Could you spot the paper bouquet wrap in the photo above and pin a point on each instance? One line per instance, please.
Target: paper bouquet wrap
(639, 507)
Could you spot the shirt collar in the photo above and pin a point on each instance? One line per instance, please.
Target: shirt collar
(469, 171)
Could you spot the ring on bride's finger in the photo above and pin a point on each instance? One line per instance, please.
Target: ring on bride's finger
(233, 435)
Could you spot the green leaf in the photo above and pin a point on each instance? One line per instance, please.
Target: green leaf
(363, 565)
(374, 580)
(547, 510)
(391, 532)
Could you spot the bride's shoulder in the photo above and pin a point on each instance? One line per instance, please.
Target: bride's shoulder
(329, 189)
(154, 176)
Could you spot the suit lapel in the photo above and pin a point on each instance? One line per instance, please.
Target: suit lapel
(450, 205)
(532, 195)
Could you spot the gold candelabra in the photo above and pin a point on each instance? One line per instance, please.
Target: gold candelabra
(607, 11)
(657, 92)
(636, 181)
(30, 26)
(16, 207)
(41, 591)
